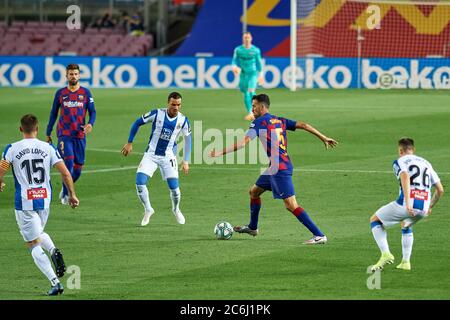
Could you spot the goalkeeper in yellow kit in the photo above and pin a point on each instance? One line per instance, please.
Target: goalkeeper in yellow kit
(247, 63)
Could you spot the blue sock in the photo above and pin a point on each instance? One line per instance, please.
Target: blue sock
(69, 164)
(304, 218)
(255, 207)
(76, 172)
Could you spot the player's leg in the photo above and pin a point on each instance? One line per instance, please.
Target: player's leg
(49, 246)
(251, 90)
(146, 169)
(66, 149)
(407, 241)
(175, 196)
(30, 227)
(302, 216)
(169, 171)
(260, 186)
(385, 217)
(407, 244)
(243, 87)
(79, 153)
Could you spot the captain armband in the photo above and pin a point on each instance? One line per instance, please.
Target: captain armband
(4, 165)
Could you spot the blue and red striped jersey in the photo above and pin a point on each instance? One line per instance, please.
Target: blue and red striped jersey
(271, 131)
(74, 106)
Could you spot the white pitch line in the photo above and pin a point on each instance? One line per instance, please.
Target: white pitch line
(222, 168)
(295, 169)
(112, 151)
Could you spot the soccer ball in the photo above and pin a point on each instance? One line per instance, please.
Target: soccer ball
(223, 230)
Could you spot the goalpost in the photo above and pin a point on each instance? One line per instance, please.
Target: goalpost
(368, 29)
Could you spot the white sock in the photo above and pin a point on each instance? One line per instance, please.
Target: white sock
(142, 193)
(407, 244)
(46, 242)
(43, 263)
(175, 195)
(380, 235)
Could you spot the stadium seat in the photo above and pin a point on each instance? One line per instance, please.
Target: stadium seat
(48, 38)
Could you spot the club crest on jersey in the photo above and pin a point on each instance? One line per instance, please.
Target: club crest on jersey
(178, 126)
(166, 134)
(80, 97)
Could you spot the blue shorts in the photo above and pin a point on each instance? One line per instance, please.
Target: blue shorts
(280, 184)
(72, 148)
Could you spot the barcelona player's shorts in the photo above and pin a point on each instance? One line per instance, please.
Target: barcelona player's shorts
(280, 184)
(72, 148)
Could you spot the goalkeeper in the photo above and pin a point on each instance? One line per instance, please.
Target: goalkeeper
(247, 63)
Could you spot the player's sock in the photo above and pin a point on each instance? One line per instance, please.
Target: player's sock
(43, 263)
(407, 243)
(142, 193)
(380, 235)
(76, 172)
(304, 218)
(255, 207)
(175, 195)
(46, 242)
(69, 162)
(248, 100)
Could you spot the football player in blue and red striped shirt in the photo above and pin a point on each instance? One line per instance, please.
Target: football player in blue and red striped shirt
(74, 101)
(271, 131)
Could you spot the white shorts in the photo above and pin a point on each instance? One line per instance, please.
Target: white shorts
(31, 223)
(393, 213)
(168, 165)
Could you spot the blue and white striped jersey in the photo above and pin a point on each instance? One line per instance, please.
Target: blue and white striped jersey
(165, 131)
(422, 178)
(31, 161)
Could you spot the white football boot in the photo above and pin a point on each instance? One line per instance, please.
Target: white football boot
(146, 218)
(179, 216)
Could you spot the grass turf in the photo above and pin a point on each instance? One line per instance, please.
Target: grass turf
(340, 189)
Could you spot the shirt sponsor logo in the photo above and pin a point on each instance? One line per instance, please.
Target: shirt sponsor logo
(37, 193)
(419, 194)
(73, 104)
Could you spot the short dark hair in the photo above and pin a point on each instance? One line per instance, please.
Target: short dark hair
(406, 143)
(174, 95)
(29, 123)
(262, 98)
(72, 66)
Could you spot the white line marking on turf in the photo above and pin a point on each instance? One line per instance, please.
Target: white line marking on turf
(222, 168)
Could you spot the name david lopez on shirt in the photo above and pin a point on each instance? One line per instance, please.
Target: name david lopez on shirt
(37, 151)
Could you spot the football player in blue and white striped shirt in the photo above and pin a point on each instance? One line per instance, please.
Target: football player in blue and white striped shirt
(31, 161)
(167, 124)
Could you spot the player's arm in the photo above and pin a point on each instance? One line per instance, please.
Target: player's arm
(439, 191)
(406, 188)
(144, 119)
(53, 115)
(128, 147)
(67, 179)
(92, 115)
(328, 142)
(4, 166)
(235, 63)
(187, 147)
(236, 146)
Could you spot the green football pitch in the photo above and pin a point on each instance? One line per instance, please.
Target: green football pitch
(339, 188)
